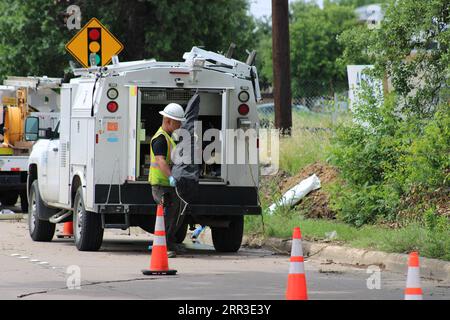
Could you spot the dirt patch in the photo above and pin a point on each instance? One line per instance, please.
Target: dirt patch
(326, 174)
(316, 204)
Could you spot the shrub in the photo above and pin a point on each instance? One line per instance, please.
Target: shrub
(426, 161)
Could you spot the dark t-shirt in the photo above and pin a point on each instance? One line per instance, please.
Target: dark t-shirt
(159, 146)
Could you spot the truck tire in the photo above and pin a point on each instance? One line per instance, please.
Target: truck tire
(40, 230)
(24, 202)
(88, 230)
(9, 199)
(229, 239)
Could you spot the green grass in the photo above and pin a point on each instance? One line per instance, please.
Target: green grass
(310, 139)
(306, 148)
(404, 240)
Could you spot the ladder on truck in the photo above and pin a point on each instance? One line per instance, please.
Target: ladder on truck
(33, 82)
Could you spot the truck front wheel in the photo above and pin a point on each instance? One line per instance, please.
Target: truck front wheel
(229, 239)
(88, 230)
(40, 230)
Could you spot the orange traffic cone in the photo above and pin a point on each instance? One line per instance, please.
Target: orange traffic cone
(159, 264)
(67, 231)
(296, 287)
(413, 289)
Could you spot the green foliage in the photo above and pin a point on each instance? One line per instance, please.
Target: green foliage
(434, 222)
(315, 49)
(367, 204)
(411, 48)
(265, 62)
(395, 154)
(33, 36)
(427, 160)
(384, 157)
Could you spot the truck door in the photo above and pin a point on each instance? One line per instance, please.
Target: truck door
(52, 183)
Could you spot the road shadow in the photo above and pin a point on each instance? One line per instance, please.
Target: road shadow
(192, 250)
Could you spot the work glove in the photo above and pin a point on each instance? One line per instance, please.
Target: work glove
(173, 182)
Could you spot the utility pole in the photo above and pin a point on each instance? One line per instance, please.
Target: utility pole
(281, 66)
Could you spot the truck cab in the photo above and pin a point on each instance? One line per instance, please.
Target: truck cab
(93, 169)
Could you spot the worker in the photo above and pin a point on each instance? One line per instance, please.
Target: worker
(161, 179)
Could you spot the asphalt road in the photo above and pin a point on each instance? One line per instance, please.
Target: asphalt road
(32, 270)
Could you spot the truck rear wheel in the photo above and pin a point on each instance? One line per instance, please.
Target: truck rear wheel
(9, 199)
(229, 239)
(88, 230)
(40, 230)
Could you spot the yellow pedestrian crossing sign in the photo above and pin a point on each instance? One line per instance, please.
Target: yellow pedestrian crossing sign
(94, 45)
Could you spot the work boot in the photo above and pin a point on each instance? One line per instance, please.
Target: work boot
(171, 254)
(176, 248)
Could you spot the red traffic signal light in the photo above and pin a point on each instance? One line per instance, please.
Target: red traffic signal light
(94, 34)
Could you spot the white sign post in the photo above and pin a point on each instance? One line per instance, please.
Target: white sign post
(356, 76)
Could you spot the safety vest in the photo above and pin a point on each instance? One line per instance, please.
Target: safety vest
(157, 177)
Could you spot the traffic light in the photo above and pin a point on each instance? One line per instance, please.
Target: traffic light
(95, 46)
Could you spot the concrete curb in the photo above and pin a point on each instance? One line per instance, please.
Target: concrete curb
(395, 262)
(11, 216)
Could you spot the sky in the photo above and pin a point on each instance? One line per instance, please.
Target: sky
(260, 8)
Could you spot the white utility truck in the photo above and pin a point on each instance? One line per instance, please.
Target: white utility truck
(95, 168)
(19, 98)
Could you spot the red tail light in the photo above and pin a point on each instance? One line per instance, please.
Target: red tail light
(112, 106)
(244, 109)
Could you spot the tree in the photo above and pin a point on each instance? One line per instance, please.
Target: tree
(412, 49)
(315, 49)
(33, 40)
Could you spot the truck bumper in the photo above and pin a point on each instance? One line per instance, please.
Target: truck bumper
(191, 210)
(211, 200)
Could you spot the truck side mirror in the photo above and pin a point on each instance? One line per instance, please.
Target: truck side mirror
(32, 129)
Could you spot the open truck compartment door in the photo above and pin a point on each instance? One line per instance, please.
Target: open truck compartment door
(149, 102)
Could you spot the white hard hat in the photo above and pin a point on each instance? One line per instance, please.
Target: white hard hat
(174, 111)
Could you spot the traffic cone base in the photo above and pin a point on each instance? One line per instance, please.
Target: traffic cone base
(159, 273)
